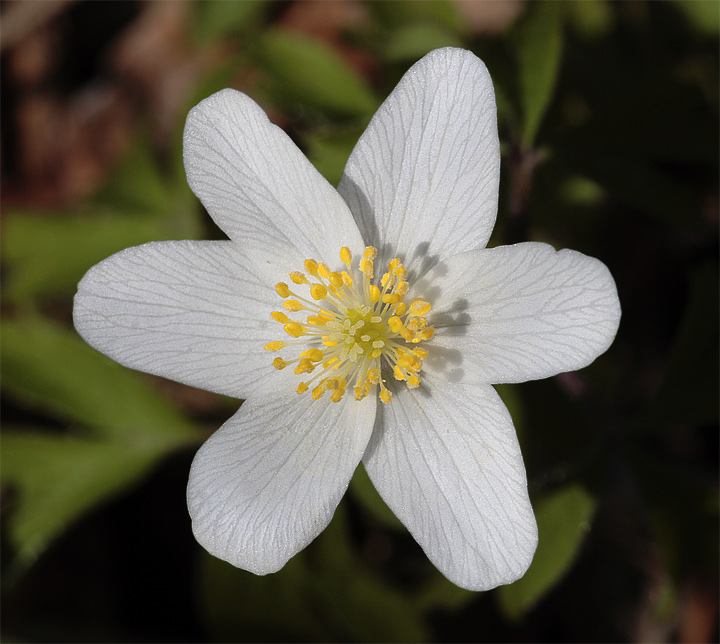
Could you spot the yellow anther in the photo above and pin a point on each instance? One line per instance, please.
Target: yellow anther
(294, 329)
(395, 324)
(292, 305)
(413, 325)
(304, 366)
(406, 361)
(419, 307)
(361, 392)
(311, 266)
(370, 253)
(318, 292)
(315, 354)
(366, 266)
(298, 278)
(351, 332)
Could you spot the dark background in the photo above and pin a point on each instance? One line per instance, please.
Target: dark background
(609, 123)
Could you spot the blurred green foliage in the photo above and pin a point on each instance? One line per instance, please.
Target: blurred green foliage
(609, 125)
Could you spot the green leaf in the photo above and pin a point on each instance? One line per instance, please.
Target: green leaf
(312, 74)
(538, 47)
(704, 15)
(53, 480)
(364, 491)
(325, 593)
(136, 183)
(563, 520)
(216, 19)
(396, 14)
(47, 254)
(592, 19)
(47, 367)
(329, 151)
(413, 41)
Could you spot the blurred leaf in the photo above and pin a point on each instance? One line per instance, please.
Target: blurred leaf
(592, 19)
(238, 606)
(216, 19)
(57, 478)
(704, 15)
(329, 151)
(537, 38)
(413, 41)
(325, 593)
(364, 491)
(441, 593)
(362, 606)
(47, 254)
(310, 72)
(52, 369)
(136, 183)
(394, 13)
(562, 518)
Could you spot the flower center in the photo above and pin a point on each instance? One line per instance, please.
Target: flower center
(354, 329)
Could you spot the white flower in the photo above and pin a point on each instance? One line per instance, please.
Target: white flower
(452, 318)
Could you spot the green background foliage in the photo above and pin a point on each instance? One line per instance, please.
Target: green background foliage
(608, 118)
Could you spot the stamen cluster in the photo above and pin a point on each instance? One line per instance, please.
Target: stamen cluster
(353, 328)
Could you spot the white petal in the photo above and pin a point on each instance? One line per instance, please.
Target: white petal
(192, 311)
(269, 480)
(517, 313)
(446, 460)
(423, 179)
(258, 187)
